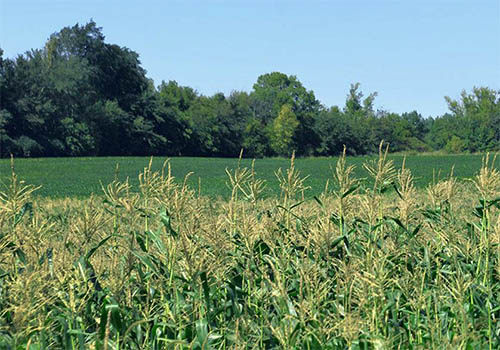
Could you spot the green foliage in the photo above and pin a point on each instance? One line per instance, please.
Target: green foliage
(27, 146)
(274, 90)
(455, 145)
(80, 95)
(362, 121)
(334, 130)
(255, 139)
(217, 130)
(78, 138)
(283, 130)
(474, 119)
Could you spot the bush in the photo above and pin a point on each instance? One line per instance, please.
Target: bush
(455, 145)
(27, 147)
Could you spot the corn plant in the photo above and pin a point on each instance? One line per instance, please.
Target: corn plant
(159, 266)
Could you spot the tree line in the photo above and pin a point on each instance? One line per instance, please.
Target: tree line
(82, 96)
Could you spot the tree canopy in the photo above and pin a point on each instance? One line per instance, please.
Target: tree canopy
(80, 95)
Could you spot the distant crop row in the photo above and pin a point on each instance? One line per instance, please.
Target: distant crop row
(363, 265)
(80, 177)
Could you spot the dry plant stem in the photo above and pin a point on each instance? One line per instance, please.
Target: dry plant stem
(407, 202)
(383, 173)
(238, 178)
(290, 185)
(346, 184)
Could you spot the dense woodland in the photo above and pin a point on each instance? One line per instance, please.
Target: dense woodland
(80, 95)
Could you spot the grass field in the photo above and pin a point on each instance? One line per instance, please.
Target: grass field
(79, 177)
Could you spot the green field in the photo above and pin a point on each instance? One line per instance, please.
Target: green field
(79, 177)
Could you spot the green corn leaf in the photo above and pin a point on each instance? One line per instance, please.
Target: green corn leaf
(144, 258)
(349, 191)
(397, 190)
(261, 248)
(296, 205)
(94, 249)
(155, 238)
(140, 240)
(416, 230)
(27, 207)
(337, 241)
(201, 332)
(479, 211)
(494, 202)
(337, 219)
(319, 201)
(167, 223)
(398, 223)
(206, 289)
(20, 255)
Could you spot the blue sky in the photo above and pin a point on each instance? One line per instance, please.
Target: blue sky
(412, 53)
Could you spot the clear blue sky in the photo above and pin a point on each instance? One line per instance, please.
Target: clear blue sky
(411, 52)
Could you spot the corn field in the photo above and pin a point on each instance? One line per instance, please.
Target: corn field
(379, 266)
